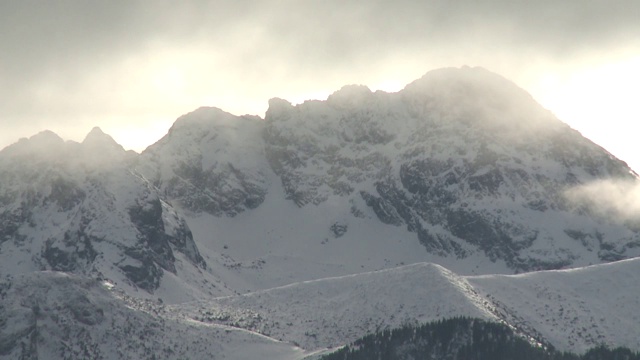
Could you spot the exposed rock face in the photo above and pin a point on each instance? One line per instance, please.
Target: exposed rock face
(321, 149)
(211, 161)
(79, 208)
(462, 157)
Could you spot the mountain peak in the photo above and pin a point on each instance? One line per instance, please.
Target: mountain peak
(96, 134)
(96, 131)
(97, 139)
(44, 139)
(464, 82)
(278, 108)
(44, 142)
(203, 116)
(350, 95)
(461, 74)
(478, 96)
(100, 148)
(47, 136)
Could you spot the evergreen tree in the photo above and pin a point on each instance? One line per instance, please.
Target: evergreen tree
(461, 339)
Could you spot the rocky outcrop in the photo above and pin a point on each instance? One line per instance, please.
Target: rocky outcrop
(463, 158)
(79, 207)
(210, 161)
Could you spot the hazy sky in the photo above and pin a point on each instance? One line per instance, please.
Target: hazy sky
(132, 67)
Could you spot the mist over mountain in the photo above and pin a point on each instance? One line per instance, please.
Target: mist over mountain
(461, 168)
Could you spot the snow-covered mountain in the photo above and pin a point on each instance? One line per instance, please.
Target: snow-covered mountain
(255, 227)
(210, 161)
(82, 208)
(52, 315)
(462, 158)
(461, 168)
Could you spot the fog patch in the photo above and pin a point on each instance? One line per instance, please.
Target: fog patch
(616, 200)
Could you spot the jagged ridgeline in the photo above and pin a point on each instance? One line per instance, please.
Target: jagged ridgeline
(81, 208)
(462, 163)
(463, 339)
(463, 160)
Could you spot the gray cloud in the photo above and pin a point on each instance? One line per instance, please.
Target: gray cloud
(68, 33)
(70, 61)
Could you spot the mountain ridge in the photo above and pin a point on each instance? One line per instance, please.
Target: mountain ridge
(421, 160)
(294, 321)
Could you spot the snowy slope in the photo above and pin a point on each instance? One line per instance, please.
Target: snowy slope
(573, 309)
(56, 315)
(279, 243)
(331, 312)
(60, 315)
(50, 315)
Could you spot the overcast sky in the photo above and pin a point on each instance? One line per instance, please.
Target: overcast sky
(132, 67)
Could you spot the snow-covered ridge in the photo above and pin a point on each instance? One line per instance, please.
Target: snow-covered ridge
(570, 309)
(575, 309)
(334, 311)
(413, 176)
(51, 315)
(80, 208)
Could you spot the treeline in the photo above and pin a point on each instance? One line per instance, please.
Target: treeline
(462, 339)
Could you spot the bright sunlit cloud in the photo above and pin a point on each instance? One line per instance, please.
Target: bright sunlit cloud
(169, 80)
(600, 102)
(137, 136)
(132, 69)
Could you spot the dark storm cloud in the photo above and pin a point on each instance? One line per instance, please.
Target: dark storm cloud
(53, 51)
